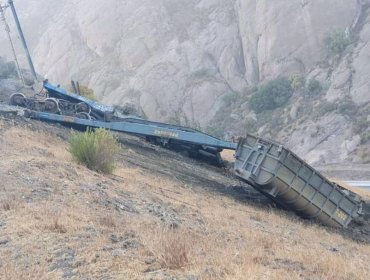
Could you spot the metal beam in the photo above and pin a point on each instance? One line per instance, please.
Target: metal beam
(7, 30)
(143, 128)
(23, 40)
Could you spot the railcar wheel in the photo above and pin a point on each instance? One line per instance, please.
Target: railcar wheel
(52, 105)
(18, 99)
(83, 107)
(83, 115)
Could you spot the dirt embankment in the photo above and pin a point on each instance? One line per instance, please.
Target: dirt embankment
(159, 216)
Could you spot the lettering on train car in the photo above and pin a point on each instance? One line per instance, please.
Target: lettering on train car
(341, 215)
(68, 119)
(167, 134)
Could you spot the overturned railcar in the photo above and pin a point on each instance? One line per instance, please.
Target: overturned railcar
(281, 175)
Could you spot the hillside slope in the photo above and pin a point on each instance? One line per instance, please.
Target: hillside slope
(159, 216)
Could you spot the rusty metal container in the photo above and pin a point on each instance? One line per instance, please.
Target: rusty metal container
(281, 175)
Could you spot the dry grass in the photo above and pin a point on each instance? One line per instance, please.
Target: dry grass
(57, 227)
(5, 205)
(14, 272)
(65, 222)
(172, 248)
(9, 203)
(107, 221)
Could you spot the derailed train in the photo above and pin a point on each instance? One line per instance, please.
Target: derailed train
(270, 168)
(285, 178)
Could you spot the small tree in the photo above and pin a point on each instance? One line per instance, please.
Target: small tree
(231, 98)
(313, 87)
(85, 92)
(94, 149)
(336, 42)
(271, 95)
(297, 82)
(347, 107)
(7, 69)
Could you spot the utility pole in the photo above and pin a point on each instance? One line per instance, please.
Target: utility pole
(7, 30)
(23, 40)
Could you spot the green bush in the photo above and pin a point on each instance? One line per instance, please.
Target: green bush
(7, 69)
(365, 137)
(360, 125)
(313, 87)
(231, 98)
(94, 149)
(85, 92)
(215, 130)
(326, 107)
(271, 95)
(336, 42)
(347, 107)
(297, 82)
(202, 73)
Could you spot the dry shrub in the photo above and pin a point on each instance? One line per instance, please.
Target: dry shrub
(57, 227)
(9, 203)
(267, 242)
(175, 252)
(257, 217)
(107, 221)
(95, 149)
(5, 205)
(12, 270)
(172, 247)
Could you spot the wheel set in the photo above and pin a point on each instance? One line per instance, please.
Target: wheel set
(52, 105)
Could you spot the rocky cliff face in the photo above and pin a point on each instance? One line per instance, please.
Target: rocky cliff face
(284, 37)
(172, 58)
(180, 60)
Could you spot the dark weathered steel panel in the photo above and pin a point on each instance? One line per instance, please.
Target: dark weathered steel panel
(283, 176)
